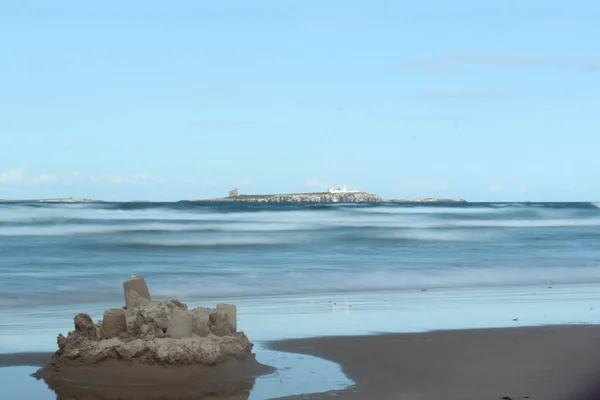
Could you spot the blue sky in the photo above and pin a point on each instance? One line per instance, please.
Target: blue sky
(163, 100)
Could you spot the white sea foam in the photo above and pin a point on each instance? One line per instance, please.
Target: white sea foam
(283, 223)
(436, 236)
(376, 214)
(433, 210)
(141, 227)
(422, 223)
(262, 283)
(542, 223)
(212, 241)
(60, 230)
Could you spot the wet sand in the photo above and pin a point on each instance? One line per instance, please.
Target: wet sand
(549, 363)
(24, 359)
(120, 380)
(545, 363)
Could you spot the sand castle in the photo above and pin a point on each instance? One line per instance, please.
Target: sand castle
(154, 342)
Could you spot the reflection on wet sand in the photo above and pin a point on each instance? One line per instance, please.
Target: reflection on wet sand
(295, 374)
(66, 390)
(117, 380)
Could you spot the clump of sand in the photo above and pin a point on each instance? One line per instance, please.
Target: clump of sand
(154, 342)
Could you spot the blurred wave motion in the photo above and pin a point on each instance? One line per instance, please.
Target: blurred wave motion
(64, 253)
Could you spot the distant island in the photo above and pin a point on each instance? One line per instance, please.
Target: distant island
(59, 200)
(339, 195)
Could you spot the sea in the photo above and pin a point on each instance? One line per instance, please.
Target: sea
(298, 270)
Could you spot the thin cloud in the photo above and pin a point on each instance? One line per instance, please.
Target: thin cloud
(18, 176)
(75, 177)
(447, 62)
(121, 179)
(453, 93)
(213, 92)
(243, 182)
(203, 183)
(217, 124)
(494, 187)
(523, 188)
(145, 177)
(46, 178)
(446, 92)
(317, 183)
(114, 179)
(206, 183)
(12, 176)
(422, 185)
(510, 188)
(583, 188)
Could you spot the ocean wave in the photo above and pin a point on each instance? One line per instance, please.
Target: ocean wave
(83, 214)
(431, 210)
(324, 281)
(472, 224)
(149, 228)
(87, 214)
(389, 222)
(213, 242)
(542, 223)
(175, 212)
(231, 251)
(194, 282)
(367, 226)
(430, 236)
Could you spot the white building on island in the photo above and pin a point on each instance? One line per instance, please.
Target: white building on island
(342, 189)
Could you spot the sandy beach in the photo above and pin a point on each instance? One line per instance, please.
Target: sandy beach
(467, 344)
(546, 363)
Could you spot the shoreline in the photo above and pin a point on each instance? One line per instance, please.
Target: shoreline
(553, 362)
(285, 375)
(267, 318)
(549, 362)
(348, 320)
(25, 359)
(293, 345)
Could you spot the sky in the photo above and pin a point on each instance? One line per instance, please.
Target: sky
(155, 100)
